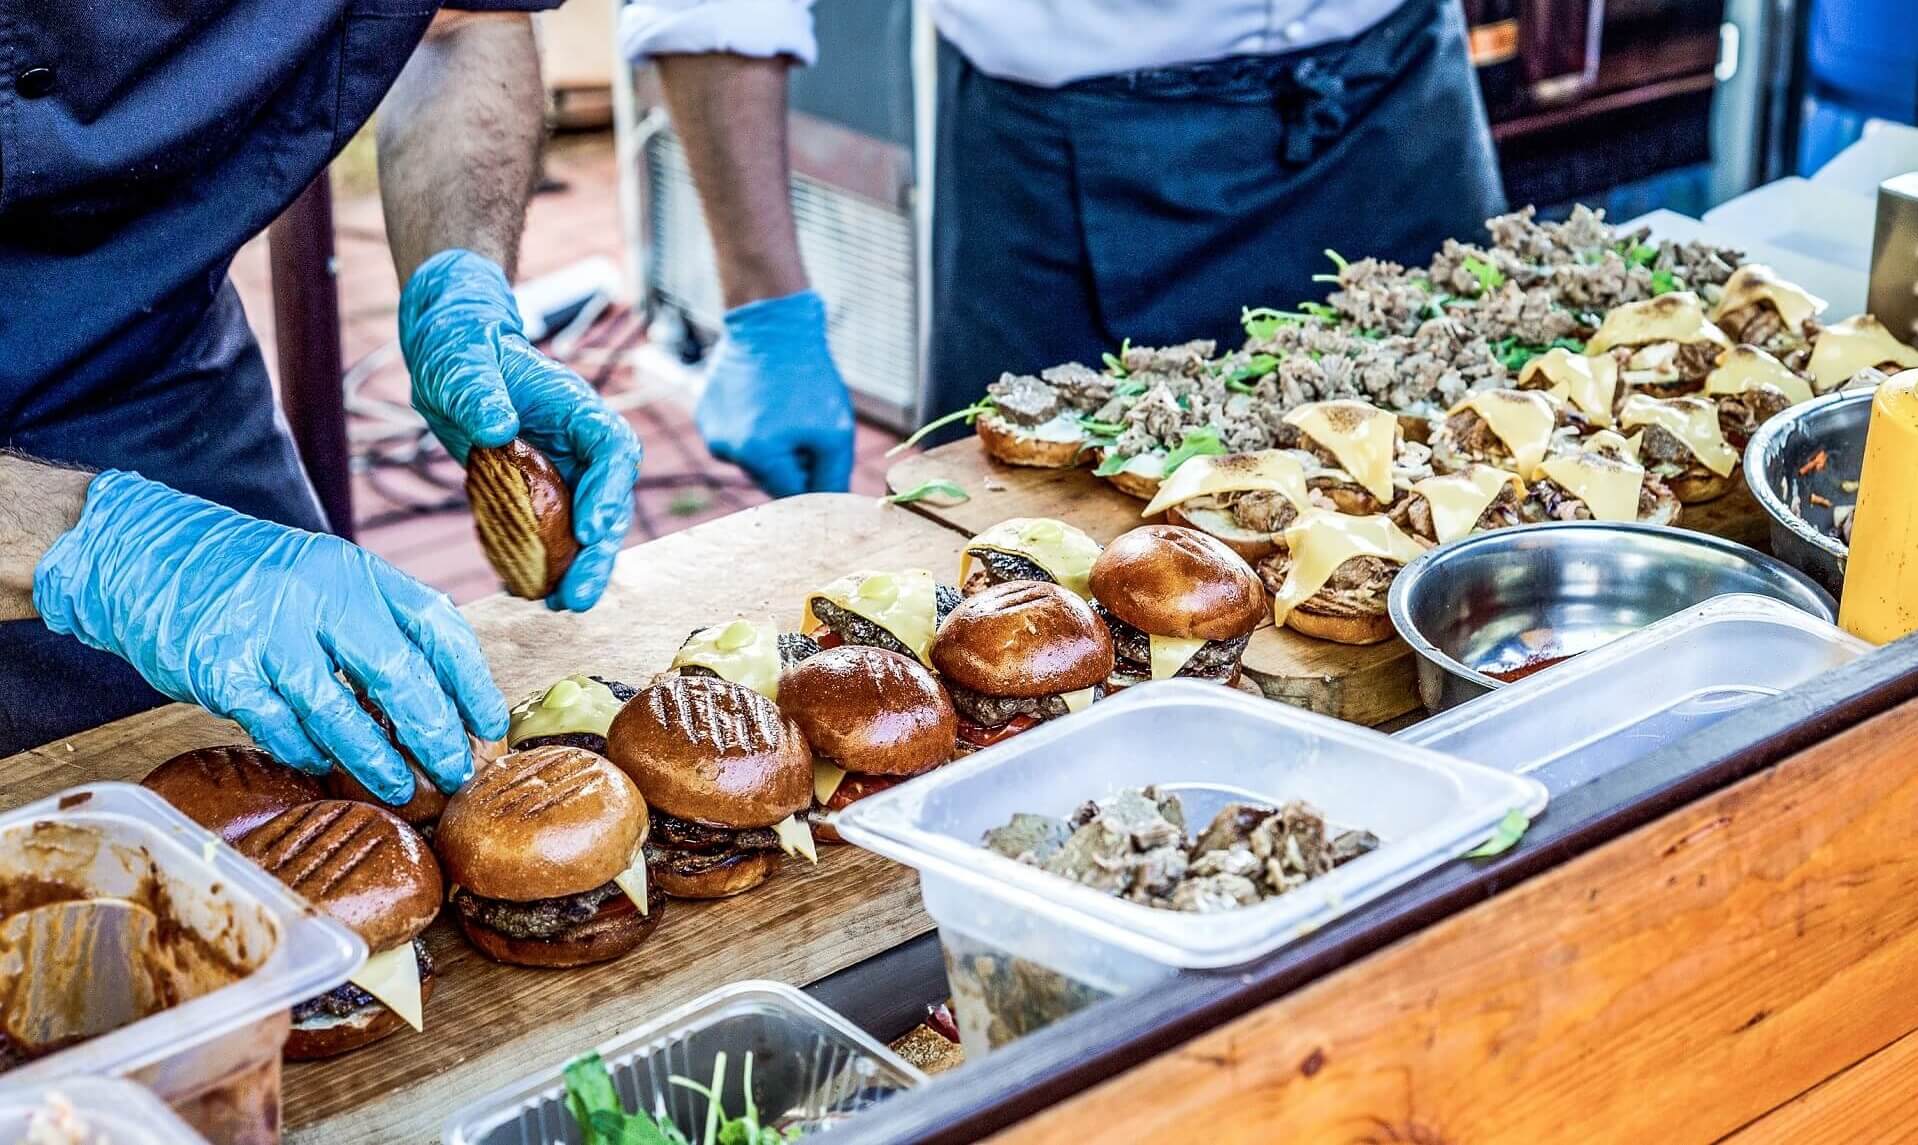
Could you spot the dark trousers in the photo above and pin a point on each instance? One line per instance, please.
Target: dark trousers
(1153, 205)
(205, 423)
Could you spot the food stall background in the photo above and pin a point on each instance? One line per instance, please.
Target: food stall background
(1633, 105)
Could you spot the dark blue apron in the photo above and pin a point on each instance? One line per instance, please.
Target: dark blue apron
(139, 148)
(1153, 205)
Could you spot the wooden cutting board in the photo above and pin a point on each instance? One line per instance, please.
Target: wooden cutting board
(1367, 685)
(488, 1025)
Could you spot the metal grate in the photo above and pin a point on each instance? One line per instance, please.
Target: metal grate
(859, 254)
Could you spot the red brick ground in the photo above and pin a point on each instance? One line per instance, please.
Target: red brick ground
(681, 483)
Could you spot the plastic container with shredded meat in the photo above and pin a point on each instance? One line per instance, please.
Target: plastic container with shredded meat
(143, 947)
(810, 1067)
(88, 1111)
(1025, 947)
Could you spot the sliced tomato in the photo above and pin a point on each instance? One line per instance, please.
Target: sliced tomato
(857, 786)
(827, 638)
(979, 736)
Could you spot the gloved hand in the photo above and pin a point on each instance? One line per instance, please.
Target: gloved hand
(774, 404)
(250, 620)
(478, 381)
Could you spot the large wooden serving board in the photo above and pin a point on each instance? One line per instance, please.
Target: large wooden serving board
(1367, 685)
(488, 1024)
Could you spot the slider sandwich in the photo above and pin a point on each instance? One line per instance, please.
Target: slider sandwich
(1588, 382)
(1029, 548)
(1241, 499)
(370, 872)
(897, 611)
(545, 850)
(1028, 423)
(231, 790)
(1598, 479)
(1019, 654)
(574, 712)
(1758, 308)
(1750, 387)
(1681, 444)
(1846, 349)
(728, 778)
(1333, 572)
(1359, 450)
(1476, 499)
(752, 653)
(1178, 602)
(523, 513)
(1664, 346)
(873, 719)
(1507, 429)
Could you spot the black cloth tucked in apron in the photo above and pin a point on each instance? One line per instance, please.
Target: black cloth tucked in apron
(1153, 205)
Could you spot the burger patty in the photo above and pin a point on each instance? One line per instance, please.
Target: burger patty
(1559, 505)
(346, 999)
(621, 692)
(1216, 660)
(540, 918)
(673, 833)
(991, 711)
(998, 568)
(856, 629)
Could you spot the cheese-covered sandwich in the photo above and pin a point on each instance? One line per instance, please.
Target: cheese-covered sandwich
(1589, 383)
(1750, 386)
(1028, 548)
(1681, 444)
(1361, 459)
(897, 611)
(1178, 602)
(1598, 478)
(1476, 499)
(1844, 349)
(1508, 429)
(1241, 498)
(1760, 309)
(1664, 346)
(1333, 572)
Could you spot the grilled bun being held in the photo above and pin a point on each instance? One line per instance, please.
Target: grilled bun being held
(230, 790)
(523, 513)
(1179, 602)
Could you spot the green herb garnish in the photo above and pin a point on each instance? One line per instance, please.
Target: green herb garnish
(1115, 363)
(1664, 282)
(1241, 379)
(1338, 260)
(971, 414)
(1504, 837)
(1093, 425)
(1489, 277)
(1131, 389)
(1263, 322)
(1204, 440)
(1642, 254)
(936, 487)
(1111, 463)
(603, 1119)
(1320, 311)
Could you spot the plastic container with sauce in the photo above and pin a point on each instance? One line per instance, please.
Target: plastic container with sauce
(112, 1111)
(155, 953)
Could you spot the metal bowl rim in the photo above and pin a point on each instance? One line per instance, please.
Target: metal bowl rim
(1760, 447)
(1409, 576)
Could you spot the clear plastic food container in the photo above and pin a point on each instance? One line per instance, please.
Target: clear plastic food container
(810, 1066)
(1025, 947)
(114, 1112)
(1623, 701)
(160, 953)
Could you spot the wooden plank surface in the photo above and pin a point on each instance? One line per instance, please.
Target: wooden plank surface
(1675, 985)
(487, 1024)
(1367, 685)
(1872, 1101)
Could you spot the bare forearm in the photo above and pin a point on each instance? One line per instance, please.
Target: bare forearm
(730, 115)
(38, 502)
(459, 140)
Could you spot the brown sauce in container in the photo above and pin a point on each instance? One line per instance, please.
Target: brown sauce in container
(1519, 672)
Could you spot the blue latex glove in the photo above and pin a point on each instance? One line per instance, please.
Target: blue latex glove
(251, 620)
(478, 381)
(774, 404)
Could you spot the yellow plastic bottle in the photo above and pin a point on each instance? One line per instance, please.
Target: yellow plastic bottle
(1881, 574)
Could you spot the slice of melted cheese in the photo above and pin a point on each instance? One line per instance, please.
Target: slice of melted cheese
(576, 705)
(1675, 317)
(1458, 500)
(1522, 419)
(1169, 654)
(632, 881)
(1606, 441)
(1362, 436)
(1320, 541)
(1080, 700)
(795, 838)
(1755, 283)
(903, 603)
(1609, 487)
(826, 778)
(1589, 383)
(740, 652)
(1693, 421)
(1844, 348)
(1268, 470)
(1743, 368)
(393, 976)
(1064, 552)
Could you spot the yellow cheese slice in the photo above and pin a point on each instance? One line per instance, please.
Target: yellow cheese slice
(1064, 552)
(1607, 441)
(1270, 470)
(1458, 500)
(826, 778)
(1609, 487)
(795, 838)
(1744, 368)
(1320, 541)
(1844, 348)
(1362, 436)
(393, 976)
(1693, 421)
(1652, 365)
(1523, 419)
(1169, 654)
(740, 651)
(572, 706)
(1589, 383)
(1675, 317)
(1080, 700)
(1755, 282)
(632, 881)
(903, 603)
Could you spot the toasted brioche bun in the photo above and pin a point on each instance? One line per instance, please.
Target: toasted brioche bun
(615, 931)
(1345, 628)
(1004, 442)
(329, 1037)
(1023, 638)
(427, 802)
(356, 864)
(1136, 485)
(1697, 485)
(713, 752)
(523, 513)
(542, 823)
(1166, 580)
(1250, 544)
(870, 710)
(230, 790)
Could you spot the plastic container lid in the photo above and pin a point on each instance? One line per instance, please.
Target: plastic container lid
(213, 889)
(114, 1112)
(1625, 700)
(1212, 746)
(807, 1062)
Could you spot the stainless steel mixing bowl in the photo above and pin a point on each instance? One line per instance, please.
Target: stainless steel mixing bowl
(1802, 532)
(1522, 598)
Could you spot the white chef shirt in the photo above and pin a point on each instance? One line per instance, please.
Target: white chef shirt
(1046, 43)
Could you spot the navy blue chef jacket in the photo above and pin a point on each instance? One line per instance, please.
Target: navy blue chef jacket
(141, 143)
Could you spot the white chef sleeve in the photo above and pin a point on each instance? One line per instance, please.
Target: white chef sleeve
(760, 28)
